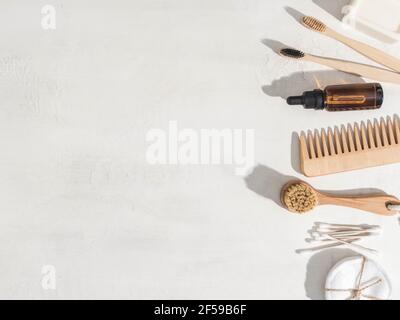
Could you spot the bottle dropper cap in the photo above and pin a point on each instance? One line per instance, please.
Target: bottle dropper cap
(310, 100)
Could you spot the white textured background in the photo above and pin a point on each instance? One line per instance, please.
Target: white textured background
(76, 191)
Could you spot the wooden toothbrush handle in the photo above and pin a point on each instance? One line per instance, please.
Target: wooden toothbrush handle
(371, 203)
(362, 70)
(370, 52)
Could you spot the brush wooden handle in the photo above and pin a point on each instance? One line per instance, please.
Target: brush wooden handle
(362, 70)
(367, 50)
(371, 203)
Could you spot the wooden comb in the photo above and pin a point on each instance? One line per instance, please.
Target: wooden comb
(355, 147)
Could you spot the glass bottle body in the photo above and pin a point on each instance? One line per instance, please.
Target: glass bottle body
(363, 96)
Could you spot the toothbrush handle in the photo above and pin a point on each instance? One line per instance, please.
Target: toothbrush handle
(362, 70)
(372, 203)
(369, 51)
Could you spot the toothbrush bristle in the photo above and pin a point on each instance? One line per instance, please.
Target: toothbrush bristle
(314, 24)
(292, 53)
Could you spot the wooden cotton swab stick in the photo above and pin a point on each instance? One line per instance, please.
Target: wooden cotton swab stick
(327, 240)
(350, 226)
(345, 234)
(335, 235)
(358, 248)
(333, 244)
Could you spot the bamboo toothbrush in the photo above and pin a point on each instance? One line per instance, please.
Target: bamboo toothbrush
(378, 74)
(366, 50)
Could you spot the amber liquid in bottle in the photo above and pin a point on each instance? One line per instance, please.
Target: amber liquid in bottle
(345, 97)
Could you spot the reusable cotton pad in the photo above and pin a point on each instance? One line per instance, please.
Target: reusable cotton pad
(357, 278)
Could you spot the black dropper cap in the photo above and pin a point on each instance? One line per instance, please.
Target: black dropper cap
(310, 100)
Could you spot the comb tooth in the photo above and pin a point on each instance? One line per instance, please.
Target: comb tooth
(317, 140)
(345, 145)
(311, 145)
(330, 142)
(383, 129)
(350, 138)
(377, 134)
(370, 132)
(338, 145)
(389, 127)
(324, 142)
(357, 137)
(303, 146)
(396, 129)
(364, 139)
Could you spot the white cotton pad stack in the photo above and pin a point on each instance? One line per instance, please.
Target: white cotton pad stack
(344, 276)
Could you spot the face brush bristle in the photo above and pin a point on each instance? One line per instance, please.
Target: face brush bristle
(314, 24)
(299, 197)
(292, 53)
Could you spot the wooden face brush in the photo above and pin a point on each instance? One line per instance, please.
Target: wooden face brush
(366, 50)
(362, 70)
(299, 197)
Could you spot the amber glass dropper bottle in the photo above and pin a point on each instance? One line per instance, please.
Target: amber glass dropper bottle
(346, 97)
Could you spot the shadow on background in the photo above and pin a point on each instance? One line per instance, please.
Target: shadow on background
(318, 268)
(274, 45)
(295, 152)
(332, 7)
(297, 15)
(296, 83)
(267, 183)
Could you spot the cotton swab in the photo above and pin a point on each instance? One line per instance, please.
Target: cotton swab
(335, 235)
(327, 240)
(355, 247)
(333, 244)
(318, 235)
(352, 226)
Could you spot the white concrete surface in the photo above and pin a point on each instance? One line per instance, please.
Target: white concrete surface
(78, 194)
